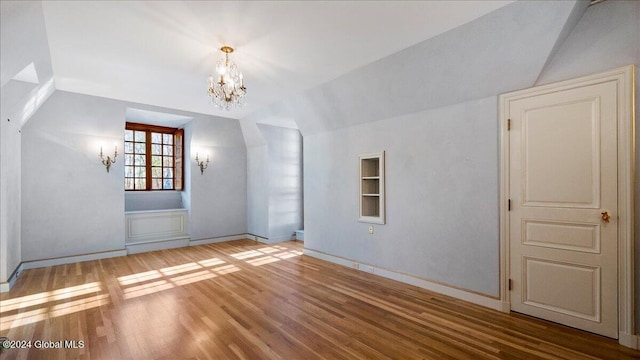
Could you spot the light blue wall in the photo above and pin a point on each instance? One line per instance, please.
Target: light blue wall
(188, 173)
(432, 108)
(23, 41)
(274, 170)
(152, 200)
(441, 191)
(71, 205)
(284, 159)
(258, 191)
(10, 193)
(219, 196)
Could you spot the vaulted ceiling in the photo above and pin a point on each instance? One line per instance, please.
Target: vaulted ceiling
(161, 52)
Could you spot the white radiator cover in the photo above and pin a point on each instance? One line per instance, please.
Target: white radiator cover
(156, 225)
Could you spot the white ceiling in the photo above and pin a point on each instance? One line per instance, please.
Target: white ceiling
(161, 52)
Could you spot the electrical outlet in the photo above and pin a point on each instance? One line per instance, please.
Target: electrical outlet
(255, 238)
(371, 229)
(369, 269)
(355, 265)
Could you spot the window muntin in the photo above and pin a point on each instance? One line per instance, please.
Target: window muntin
(153, 157)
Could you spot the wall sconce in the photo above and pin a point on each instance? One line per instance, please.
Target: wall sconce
(201, 164)
(108, 161)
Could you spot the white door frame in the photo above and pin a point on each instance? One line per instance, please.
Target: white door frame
(624, 78)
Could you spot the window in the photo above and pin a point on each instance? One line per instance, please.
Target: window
(153, 157)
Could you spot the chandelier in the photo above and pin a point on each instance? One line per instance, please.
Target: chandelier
(227, 88)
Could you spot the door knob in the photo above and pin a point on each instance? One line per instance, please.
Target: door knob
(605, 216)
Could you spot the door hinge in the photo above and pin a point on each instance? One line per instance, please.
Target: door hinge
(509, 205)
(508, 124)
(510, 284)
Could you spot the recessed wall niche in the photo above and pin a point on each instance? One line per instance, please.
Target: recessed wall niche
(371, 195)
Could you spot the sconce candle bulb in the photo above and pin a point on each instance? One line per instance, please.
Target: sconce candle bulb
(201, 164)
(108, 161)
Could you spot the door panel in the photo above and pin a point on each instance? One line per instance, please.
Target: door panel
(561, 146)
(559, 235)
(563, 175)
(574, 291)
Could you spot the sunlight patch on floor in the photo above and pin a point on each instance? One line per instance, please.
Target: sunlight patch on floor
(227, 269)
(148, 288)
(262, 260)
(211, 262)
(273, 253)
(76, 298)
(247, 254)
(49, 296)
(44, 313)
(170, 277)
(180, 268)
(193, 277)
(139, 277)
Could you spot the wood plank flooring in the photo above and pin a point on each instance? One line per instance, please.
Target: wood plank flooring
(245, 300)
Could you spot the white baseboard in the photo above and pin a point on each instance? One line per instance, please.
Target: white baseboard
(277, 239)
(506, 307)
(629, 340)
(471, 297)
(146, 246)
(258, 238)
(72, 259)
(6, 286)
(218, 239)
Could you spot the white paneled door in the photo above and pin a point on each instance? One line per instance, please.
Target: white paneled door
(563, 214)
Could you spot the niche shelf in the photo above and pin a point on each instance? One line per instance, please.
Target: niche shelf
(371, 196)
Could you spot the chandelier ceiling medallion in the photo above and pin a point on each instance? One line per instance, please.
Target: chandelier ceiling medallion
(227, 89)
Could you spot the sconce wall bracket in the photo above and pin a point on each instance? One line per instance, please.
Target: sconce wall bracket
(108, 161)
(202, 164)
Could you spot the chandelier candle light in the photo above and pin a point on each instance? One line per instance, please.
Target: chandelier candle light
(227, 88)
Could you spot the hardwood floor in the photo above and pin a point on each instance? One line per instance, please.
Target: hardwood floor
(245, 300)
